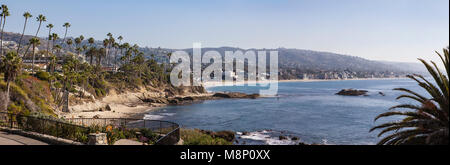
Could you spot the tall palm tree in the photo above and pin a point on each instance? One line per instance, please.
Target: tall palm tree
(49, 26)
(117, 46)
(91, 43)
(34, 42)
(1, 15)
(54, 37)
(428, 123)
(77, 45)
(111, 41)
(66, 25)
(69, 43)
(27, 15)
(4, 14)
(106, 44)
(81, 37)
(100, 53)
(11, 66)
(40, 18)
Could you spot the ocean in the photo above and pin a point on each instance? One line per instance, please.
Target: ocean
(307, 112)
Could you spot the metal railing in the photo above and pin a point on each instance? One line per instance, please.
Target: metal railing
(169, 131)
(59, 129)
(78, 129)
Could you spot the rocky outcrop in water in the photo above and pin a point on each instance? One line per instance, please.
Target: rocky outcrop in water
(352, 92)
(236, 95)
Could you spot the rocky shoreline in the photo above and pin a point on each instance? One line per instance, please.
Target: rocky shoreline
(180, 100)
(137, 104)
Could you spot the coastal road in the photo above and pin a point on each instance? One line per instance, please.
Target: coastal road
(12, 139)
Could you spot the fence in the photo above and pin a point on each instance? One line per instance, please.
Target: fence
(169, 131)
(44, 126)
(79, 129)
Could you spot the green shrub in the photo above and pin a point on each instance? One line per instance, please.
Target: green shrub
(43, 75)
(195, 137)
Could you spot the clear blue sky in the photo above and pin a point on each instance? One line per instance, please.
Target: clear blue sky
(396, 30)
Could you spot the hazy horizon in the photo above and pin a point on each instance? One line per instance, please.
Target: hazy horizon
(383, 30)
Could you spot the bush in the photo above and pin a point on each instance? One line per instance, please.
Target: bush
(43, 75)
(196, 137)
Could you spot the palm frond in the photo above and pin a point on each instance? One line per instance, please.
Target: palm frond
(428, 123)
(401, 136)
(411, 92)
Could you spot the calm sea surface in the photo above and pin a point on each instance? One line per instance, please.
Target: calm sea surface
(308, 110)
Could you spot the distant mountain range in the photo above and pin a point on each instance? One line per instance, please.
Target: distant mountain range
(322, 61)
(307, 60)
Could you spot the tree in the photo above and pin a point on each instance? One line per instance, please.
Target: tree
(54, 37)
(100, 54)
(428, 123)
(116, 47)
(69, 43)
(105, 44)
(91, 43)
(11, 66)
(49, 26)
(3, 15)
(27, 15)
(40, 18)
(77, 45)
(34, 42)
(111, 44)
(66, 25)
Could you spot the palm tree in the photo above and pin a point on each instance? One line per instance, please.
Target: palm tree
(112, 41)
(49, 26)
(54, 37)
(69, 43)
(77, 44)
(11, 66)
(116, 47)
(105, 44)
(100, 53)
(81, 37)
(4, 14)
(35, 42)
(26, 15)
(58, 48)
(66, 25)
(428, 123)
(40, 18)
(52, 64)
(91, 43)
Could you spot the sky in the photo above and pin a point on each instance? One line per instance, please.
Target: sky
(390, 30)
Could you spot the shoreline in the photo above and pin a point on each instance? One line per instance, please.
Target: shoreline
(124, 105)
(243, 83)
(127, 105)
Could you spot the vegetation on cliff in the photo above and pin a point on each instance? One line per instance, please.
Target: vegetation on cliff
(46, 80)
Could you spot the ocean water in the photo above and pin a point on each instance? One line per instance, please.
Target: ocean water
(309, 111)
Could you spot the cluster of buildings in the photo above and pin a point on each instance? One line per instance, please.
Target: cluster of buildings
(335, 75)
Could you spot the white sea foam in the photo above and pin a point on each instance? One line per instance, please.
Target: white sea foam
(264, 137)
(157, 116)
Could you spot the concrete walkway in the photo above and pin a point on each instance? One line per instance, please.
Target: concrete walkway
(12, 139)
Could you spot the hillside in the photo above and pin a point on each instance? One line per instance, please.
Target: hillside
(306, 61)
